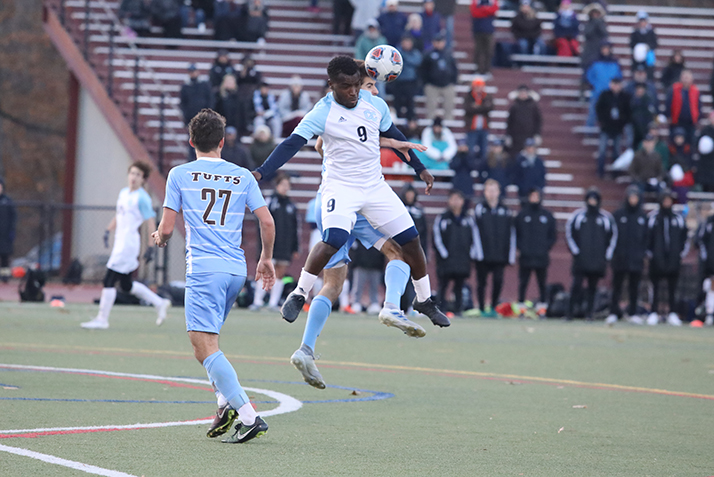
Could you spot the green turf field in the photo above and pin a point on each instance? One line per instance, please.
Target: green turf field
(482, 398)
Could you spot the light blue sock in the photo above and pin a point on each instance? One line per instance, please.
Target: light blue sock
(320, 309)
(222, 374)
(396, 277)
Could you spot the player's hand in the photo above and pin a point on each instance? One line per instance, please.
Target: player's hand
(404, 147)
(106, 239)
(428, 179)
(257, 175)
(157, 240)
(266, 272)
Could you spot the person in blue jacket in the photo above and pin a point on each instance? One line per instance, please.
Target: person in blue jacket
(599, 75)
(392, 22)
(529, 170)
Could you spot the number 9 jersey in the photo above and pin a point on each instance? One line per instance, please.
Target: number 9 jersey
(213, 194)
(350, 136)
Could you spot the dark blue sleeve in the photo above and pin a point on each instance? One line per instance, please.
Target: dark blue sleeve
(414, 162)
(280, 155)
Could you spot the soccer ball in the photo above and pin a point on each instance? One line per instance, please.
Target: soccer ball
(383, 63)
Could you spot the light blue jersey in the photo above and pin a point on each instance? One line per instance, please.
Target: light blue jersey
(213, 194)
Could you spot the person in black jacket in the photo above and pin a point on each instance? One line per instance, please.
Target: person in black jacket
(591, 234)
(195, 95)
(613, 114)
(644, 33)
(495, 245)
(410, 196)
(221, 67)
(286, 245)
(440, 76)
(8, 222)
(667, 245)
(535, 236)
(628, 260)
(454, 244)
(463, 164)
(234, 151)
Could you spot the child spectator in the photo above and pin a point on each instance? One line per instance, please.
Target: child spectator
(441, 145)
(599, 75)
(565, 30)
(684, 105)
(613, 114)
(680, 165)
(477, 106)
(392, 22)
(524, 118)
(483, 12)
(369, 39)
(266, 110)
(293, 104)
(526, 30)
(406, 86)
(643, 41)
(454, 238)
(440, 76)
(673, 70)
(529, 170)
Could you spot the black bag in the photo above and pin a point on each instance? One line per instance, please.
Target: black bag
(74, 273)
(245, 297)
(558, 305)
(32, 291)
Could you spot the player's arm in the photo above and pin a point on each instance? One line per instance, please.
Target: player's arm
(419, 168)
(318, 147)
(265, 270)
(151, 223)
(112, 225)
(280, 155)
(402, 146)
(166, 228)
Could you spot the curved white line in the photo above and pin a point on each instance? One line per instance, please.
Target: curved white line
(90, 469)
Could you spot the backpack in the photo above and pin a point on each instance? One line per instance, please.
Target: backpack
(32, 290)
(74, 273)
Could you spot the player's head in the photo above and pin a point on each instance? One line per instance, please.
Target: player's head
(138, 173)
(206, 131)
(282, 184)
(368, 83)
(344, 79)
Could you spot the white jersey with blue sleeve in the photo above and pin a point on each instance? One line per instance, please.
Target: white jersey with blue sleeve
(213, 194)
(133, 208)
(350, 137)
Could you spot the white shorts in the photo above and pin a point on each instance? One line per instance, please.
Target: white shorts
(379, 204)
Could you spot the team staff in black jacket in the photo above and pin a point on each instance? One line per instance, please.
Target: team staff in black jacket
(628, 261)
(591, 234)
(667, 246)
(495, 243)
(535, 236)
(705, 243)
(454, 240)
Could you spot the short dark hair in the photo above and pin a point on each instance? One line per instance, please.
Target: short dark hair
(280, 177)
(143, 167)
(341, 65)
(362, 70)
(456, 192)
(206, 130)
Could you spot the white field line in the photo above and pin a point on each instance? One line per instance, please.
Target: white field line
(90, 469)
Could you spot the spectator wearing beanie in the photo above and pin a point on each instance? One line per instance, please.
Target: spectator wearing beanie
(524, 118)
(477, 106)
(529, 170)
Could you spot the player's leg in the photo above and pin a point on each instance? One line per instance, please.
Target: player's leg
(106, 301)
(143, 292)
(277, 291)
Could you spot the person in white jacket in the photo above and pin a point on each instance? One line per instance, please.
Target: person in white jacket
(365, 10)
(440, 143)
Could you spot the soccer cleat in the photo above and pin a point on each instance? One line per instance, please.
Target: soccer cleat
(611, 320)
(305, 363)
(96, 324)
(653, 319)
(373, 309)
(245, 433)
(292, 306)
(394, 317)
(429, 308)
(636, 320)
(163, 309)
(673, 319)
(709, 320)
(225, 416)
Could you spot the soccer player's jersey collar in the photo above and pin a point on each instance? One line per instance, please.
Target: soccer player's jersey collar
(211, 159)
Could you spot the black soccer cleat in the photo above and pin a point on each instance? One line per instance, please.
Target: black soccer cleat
(245, 433)
(292, 307)
(430, 309)
(223, 421)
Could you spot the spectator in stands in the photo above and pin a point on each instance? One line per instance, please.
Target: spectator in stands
(672, 72)
(454, 239)
(440, 76)
(369, 39)
(594, 33)
(263, 144)
(535, 236)
(565, 30)
(249, 79)
(228, 103)
(524, 119)
(167, 14)
(499, 165)
(706, 267)
(628, 260)
(447, 8)
(639, 76)
(136, 15)
(234, 151)
(668, 245)
(705, 164)
(414, 28)
(221, 66)
(591, 234)
(529, 170)
(255, 22)
(680, 165)
(483, 12)
(642, 113)
(495, 244)
(406, 85)
(266, 110)
(431, 24)
(342, 11)
(392, 22)
(195, 95)
(227, 20)
(526, 29)
(477, 106)
(410, 197)
(368, 269)
(599, 75)
(364, 11)
(194, 14)
(643, 41)
(8, 223)
(646, 168)
(613, 114)
(684, 105)
(463, 164)
(293, 104)
(441, 143)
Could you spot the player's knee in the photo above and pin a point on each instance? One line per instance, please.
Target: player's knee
(392, 251)
(126, 285)
(335, 237)
(407, 236)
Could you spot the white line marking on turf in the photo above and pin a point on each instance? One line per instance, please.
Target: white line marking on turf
(90, 469)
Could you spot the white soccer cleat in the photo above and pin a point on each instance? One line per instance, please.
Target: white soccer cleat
(306, 365)
(611, 320)
(653, 319)
(394, 317)
(96, 324)
(163, 309)
(373, 309)
(636, 320)
(709, 320)
(673, 319)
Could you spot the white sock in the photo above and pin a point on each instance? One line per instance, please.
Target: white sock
(422, 287)
(247, 414)
(276, 292)
(143, 292)
(345, 295)
(317, 287)
(709, 303)
(220, 398)
(106, 301)
(305, 283)
(259, 294)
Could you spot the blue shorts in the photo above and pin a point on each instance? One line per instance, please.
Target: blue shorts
(209, 298)
(363, 230)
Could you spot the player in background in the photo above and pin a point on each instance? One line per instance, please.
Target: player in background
(133, 209)
(213, 195)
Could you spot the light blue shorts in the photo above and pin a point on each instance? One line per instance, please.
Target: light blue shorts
(209, 298)
(363, 230)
